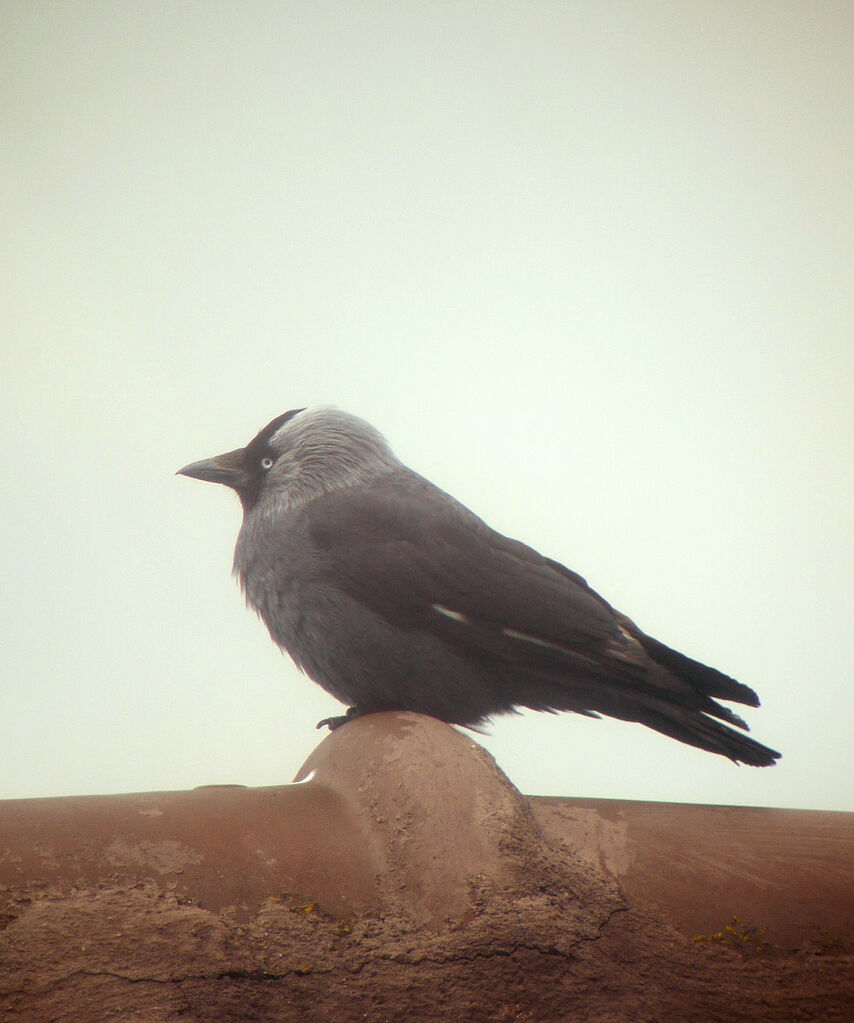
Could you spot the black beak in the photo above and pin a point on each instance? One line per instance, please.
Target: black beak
(228, 469)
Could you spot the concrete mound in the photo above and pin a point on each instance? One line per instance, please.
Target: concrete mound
(441, 816)
(402, 878)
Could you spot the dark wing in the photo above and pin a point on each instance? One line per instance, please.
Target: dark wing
(419, 559)
(414, 556)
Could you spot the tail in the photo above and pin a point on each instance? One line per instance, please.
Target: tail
(689, 714)
(704, 732)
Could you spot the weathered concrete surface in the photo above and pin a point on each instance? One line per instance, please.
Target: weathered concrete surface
(436, 803)
(789, 873)
(405, 880)
(220, 847)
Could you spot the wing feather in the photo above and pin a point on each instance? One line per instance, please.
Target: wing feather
(415, 557)
(419, 559)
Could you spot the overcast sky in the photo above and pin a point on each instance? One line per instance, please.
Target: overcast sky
(587, 266)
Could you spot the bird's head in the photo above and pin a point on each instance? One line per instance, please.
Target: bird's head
(298, 456)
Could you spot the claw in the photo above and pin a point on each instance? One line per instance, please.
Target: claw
(340, 719)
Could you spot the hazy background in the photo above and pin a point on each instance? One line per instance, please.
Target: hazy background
(589, 268)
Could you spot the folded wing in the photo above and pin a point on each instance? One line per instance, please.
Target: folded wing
(419, 560)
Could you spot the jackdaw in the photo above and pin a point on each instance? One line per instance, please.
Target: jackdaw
(392, 595)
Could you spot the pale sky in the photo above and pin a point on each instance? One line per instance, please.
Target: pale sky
(587, 266)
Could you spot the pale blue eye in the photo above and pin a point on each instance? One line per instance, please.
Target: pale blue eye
(266, 463)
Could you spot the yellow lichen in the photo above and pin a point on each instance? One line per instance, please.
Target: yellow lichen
(738, 936)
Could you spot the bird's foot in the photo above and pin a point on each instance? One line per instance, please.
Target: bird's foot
(340, 719)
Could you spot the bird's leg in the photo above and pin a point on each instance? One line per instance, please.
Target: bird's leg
(340, 719)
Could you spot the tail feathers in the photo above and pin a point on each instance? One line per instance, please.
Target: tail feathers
(706, 705)
(704, 679)
(692, 720)
(643, 681)
(698, 729)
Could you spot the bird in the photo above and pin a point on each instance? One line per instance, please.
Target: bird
(392, 595)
